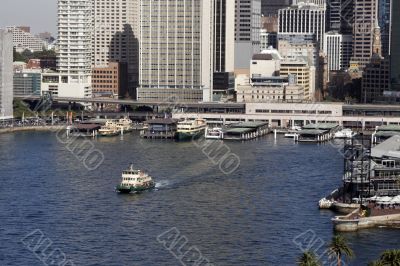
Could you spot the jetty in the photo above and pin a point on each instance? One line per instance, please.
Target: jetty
(319, 132)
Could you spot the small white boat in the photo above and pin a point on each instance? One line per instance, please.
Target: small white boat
(345, 134)
(291, 135)
(293, 132)
(214, 133)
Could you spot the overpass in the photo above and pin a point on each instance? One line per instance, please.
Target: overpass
(171, 103)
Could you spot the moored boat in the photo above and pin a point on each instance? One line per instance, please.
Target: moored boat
(124, 124)
(110, 129)
(214, 133)
(134, 180)
(191, 129)
(345, 134)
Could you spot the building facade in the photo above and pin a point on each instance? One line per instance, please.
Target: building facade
(176, 50)
(268, 39)
(115, 37)
(271, 7)
(27, 83)
(24, 40)
(338, 49)
(6, 74)
(303, 18)
(74, 58)
(395, 48)
(365, 16)
(110, 81)
(247, 33)
(304, 75)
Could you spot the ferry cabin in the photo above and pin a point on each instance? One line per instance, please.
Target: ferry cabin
(160, 128)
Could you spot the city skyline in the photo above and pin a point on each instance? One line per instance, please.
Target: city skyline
(28, 18)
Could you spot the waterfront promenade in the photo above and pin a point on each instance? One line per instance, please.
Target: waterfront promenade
(31, 128)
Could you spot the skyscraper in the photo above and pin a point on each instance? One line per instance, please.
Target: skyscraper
(115, 37)
(6, 75)
(75, 47)
(395, 47)
(271, 7)
(176, 50)
(365, 15)
(304, 18)
(247, 32)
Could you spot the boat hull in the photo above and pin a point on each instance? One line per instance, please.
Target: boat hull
(131, 189)
(182, 136)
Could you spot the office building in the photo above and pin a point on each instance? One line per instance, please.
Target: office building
(271, 7)
(115, 37)
(6, 74)
(299, 45)
(75, 48)
(384, 13)
(110, 81)
(303, 18)
(347, 16)
(24, 40)
(268, 39)
(365, 15)
(176, 51)
(376, 74)
(27, 83)
(224, 47)
(303, 74)
(334, 15)
(395, 48)
(247, 33)
(338, 49)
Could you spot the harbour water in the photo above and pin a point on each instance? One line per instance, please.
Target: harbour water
(253, 216)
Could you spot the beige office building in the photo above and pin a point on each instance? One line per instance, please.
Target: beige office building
(303, 73)
(115, 38)
(176, 50)
(365, 15)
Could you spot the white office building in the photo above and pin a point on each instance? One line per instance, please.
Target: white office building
(6, 75)
(303, 18)
(338, 49)
(176, 50)
(74, 60)
(24, 40)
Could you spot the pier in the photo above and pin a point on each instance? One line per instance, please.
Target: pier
(246, 131)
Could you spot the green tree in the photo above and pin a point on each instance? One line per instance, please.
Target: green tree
(391, 257)
(338, 248)
(308, 259)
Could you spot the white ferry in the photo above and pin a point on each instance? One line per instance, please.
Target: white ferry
(214, 133)
(110, 129)
(191, 129)
(124, 124)
(345, 134)
(135, 181)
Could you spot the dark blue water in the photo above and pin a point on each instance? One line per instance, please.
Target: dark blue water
(250, 217)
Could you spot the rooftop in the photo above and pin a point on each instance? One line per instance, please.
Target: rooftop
(249, 125)
(389, 128)
(388, 148)
(239, 130)
(162, 121)
(322, 126)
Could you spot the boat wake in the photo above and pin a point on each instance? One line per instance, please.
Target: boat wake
(163, 184)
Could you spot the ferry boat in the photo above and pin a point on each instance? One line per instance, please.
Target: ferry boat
(191, 129)
(110, 129)
(214, 133)
(135, 181)
(124, 124)
(345, 134)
